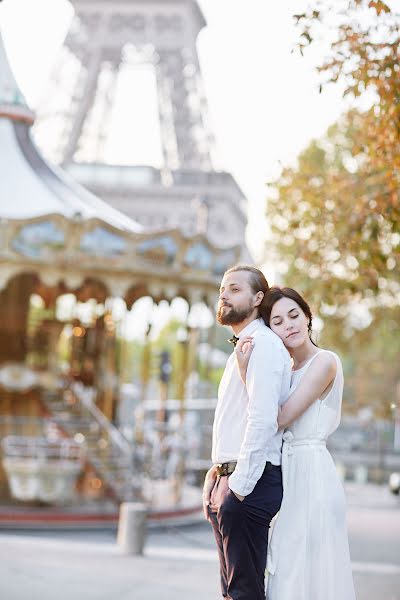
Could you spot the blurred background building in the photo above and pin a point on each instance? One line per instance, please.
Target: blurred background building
(82, 419)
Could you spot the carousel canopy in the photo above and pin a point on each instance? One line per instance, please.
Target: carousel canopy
(29, 187)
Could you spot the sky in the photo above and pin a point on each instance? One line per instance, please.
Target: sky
(264, 101)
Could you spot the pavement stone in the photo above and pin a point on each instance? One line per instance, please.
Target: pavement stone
(181, 563)
(45, 569)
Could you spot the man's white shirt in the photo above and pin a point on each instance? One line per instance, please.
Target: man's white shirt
(245, 424)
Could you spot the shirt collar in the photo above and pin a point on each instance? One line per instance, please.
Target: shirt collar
(251, 327)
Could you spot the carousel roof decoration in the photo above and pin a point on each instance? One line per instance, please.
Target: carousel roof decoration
(52, 225)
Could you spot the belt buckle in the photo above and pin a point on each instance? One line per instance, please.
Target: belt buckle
(221, 469)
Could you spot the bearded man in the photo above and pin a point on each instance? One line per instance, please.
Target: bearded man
(243, 489)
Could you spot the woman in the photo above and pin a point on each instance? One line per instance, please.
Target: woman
(308, 555)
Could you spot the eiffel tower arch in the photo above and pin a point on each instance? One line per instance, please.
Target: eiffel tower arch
(186, 190)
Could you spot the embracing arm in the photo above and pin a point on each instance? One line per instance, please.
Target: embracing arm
(265, 372)
(315, 382)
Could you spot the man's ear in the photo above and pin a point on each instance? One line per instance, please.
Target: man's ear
(259, 298)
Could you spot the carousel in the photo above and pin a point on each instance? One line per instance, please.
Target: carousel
(72, 270)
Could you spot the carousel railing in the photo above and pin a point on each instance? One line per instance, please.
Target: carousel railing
(171, 452)
(107, 450)
(175, 449)
(26, 426)
(87, 398)
(39, 469)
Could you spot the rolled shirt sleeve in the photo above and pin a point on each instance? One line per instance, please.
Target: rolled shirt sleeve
(264, 382)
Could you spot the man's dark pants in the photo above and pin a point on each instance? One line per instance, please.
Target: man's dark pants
(241, 532)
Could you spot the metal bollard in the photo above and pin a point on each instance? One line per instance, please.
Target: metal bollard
(132, 527)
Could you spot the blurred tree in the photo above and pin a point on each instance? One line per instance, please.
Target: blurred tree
(335, 217)
(334, 220)
(370, 359)
(364, 57)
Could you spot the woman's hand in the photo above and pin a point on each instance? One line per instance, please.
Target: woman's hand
(243, 351)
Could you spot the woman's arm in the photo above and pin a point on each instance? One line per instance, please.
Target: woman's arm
(243, 351)
(317, 379)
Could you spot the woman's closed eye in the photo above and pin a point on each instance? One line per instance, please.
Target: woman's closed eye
(278, 322)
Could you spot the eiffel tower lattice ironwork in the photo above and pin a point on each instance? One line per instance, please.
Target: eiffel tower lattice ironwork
(186, 191)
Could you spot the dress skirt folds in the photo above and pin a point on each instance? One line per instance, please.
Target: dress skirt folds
(308, 555)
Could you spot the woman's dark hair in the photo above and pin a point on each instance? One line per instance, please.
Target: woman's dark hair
(277, 293)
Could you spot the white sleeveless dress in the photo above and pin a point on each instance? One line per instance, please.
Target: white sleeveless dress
(308, 554)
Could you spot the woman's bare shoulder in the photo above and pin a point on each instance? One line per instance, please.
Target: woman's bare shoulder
(325, 363)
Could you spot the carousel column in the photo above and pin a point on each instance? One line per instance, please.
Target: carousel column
(15, 304)
(145, 365)
(143, 441)
(193, 361)
(123, 355)
(185, 341)
(110, 365)
(211, 342)
(182, 337)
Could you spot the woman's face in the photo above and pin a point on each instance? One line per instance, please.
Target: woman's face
(289, 322)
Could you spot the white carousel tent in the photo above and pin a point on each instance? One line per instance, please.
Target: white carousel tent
(30, 187)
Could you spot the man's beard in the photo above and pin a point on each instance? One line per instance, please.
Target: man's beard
(235, 315)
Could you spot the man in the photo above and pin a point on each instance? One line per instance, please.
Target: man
(243, 488)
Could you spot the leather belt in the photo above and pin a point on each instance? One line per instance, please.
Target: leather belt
(224, 469)
(227, 468)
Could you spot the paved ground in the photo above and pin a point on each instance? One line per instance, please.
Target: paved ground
(374, 529)
(180, 563)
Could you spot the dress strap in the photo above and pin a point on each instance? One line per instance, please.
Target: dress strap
(308, 363)
(315, 355)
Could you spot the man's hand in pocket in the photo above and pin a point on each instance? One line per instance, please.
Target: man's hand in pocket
(238, 496)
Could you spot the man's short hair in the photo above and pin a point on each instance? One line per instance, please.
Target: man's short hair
(256, 279)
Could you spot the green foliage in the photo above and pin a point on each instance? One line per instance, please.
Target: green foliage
(335, 217)
(334, 224)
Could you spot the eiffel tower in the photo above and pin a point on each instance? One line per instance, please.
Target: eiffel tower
(187, 192)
